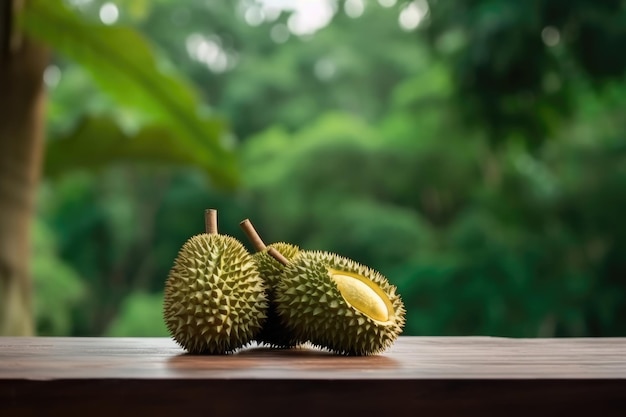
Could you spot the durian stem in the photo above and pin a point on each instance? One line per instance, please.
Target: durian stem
(210, 221)
(252, 235)
(278, 256)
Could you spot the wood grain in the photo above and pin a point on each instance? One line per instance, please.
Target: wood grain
(438, 376)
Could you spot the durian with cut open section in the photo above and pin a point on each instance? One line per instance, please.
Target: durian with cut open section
(338, 304)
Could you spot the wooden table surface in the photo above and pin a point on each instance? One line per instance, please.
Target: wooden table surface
(436, 375)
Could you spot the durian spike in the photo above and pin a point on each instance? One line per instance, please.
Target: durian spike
(210, 221)
(278, 256)
(252, 235)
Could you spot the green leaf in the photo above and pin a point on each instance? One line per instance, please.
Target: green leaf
(98, 142)
(121, 61)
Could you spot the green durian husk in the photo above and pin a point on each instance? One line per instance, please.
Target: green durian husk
(215, 302)
(310, 304)
(274, 333)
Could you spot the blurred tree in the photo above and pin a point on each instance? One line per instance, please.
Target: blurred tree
(123, 64)
(22, 62)
(515, 63)
(262, 72)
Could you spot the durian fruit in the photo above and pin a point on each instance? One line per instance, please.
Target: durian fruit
(338, 304)
(215, 300)
(273, 333)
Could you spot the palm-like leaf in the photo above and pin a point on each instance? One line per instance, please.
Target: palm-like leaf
(122, 62)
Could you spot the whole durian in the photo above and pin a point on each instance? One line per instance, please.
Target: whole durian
(215, 300)
(338, 304)
(273, 333)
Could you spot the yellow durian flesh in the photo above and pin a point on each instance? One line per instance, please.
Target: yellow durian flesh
(362, 294)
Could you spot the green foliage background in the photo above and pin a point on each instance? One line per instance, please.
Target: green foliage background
(480, 169)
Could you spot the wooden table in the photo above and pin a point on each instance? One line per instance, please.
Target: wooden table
(419, 376)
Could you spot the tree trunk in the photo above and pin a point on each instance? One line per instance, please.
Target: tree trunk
(22, 63)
